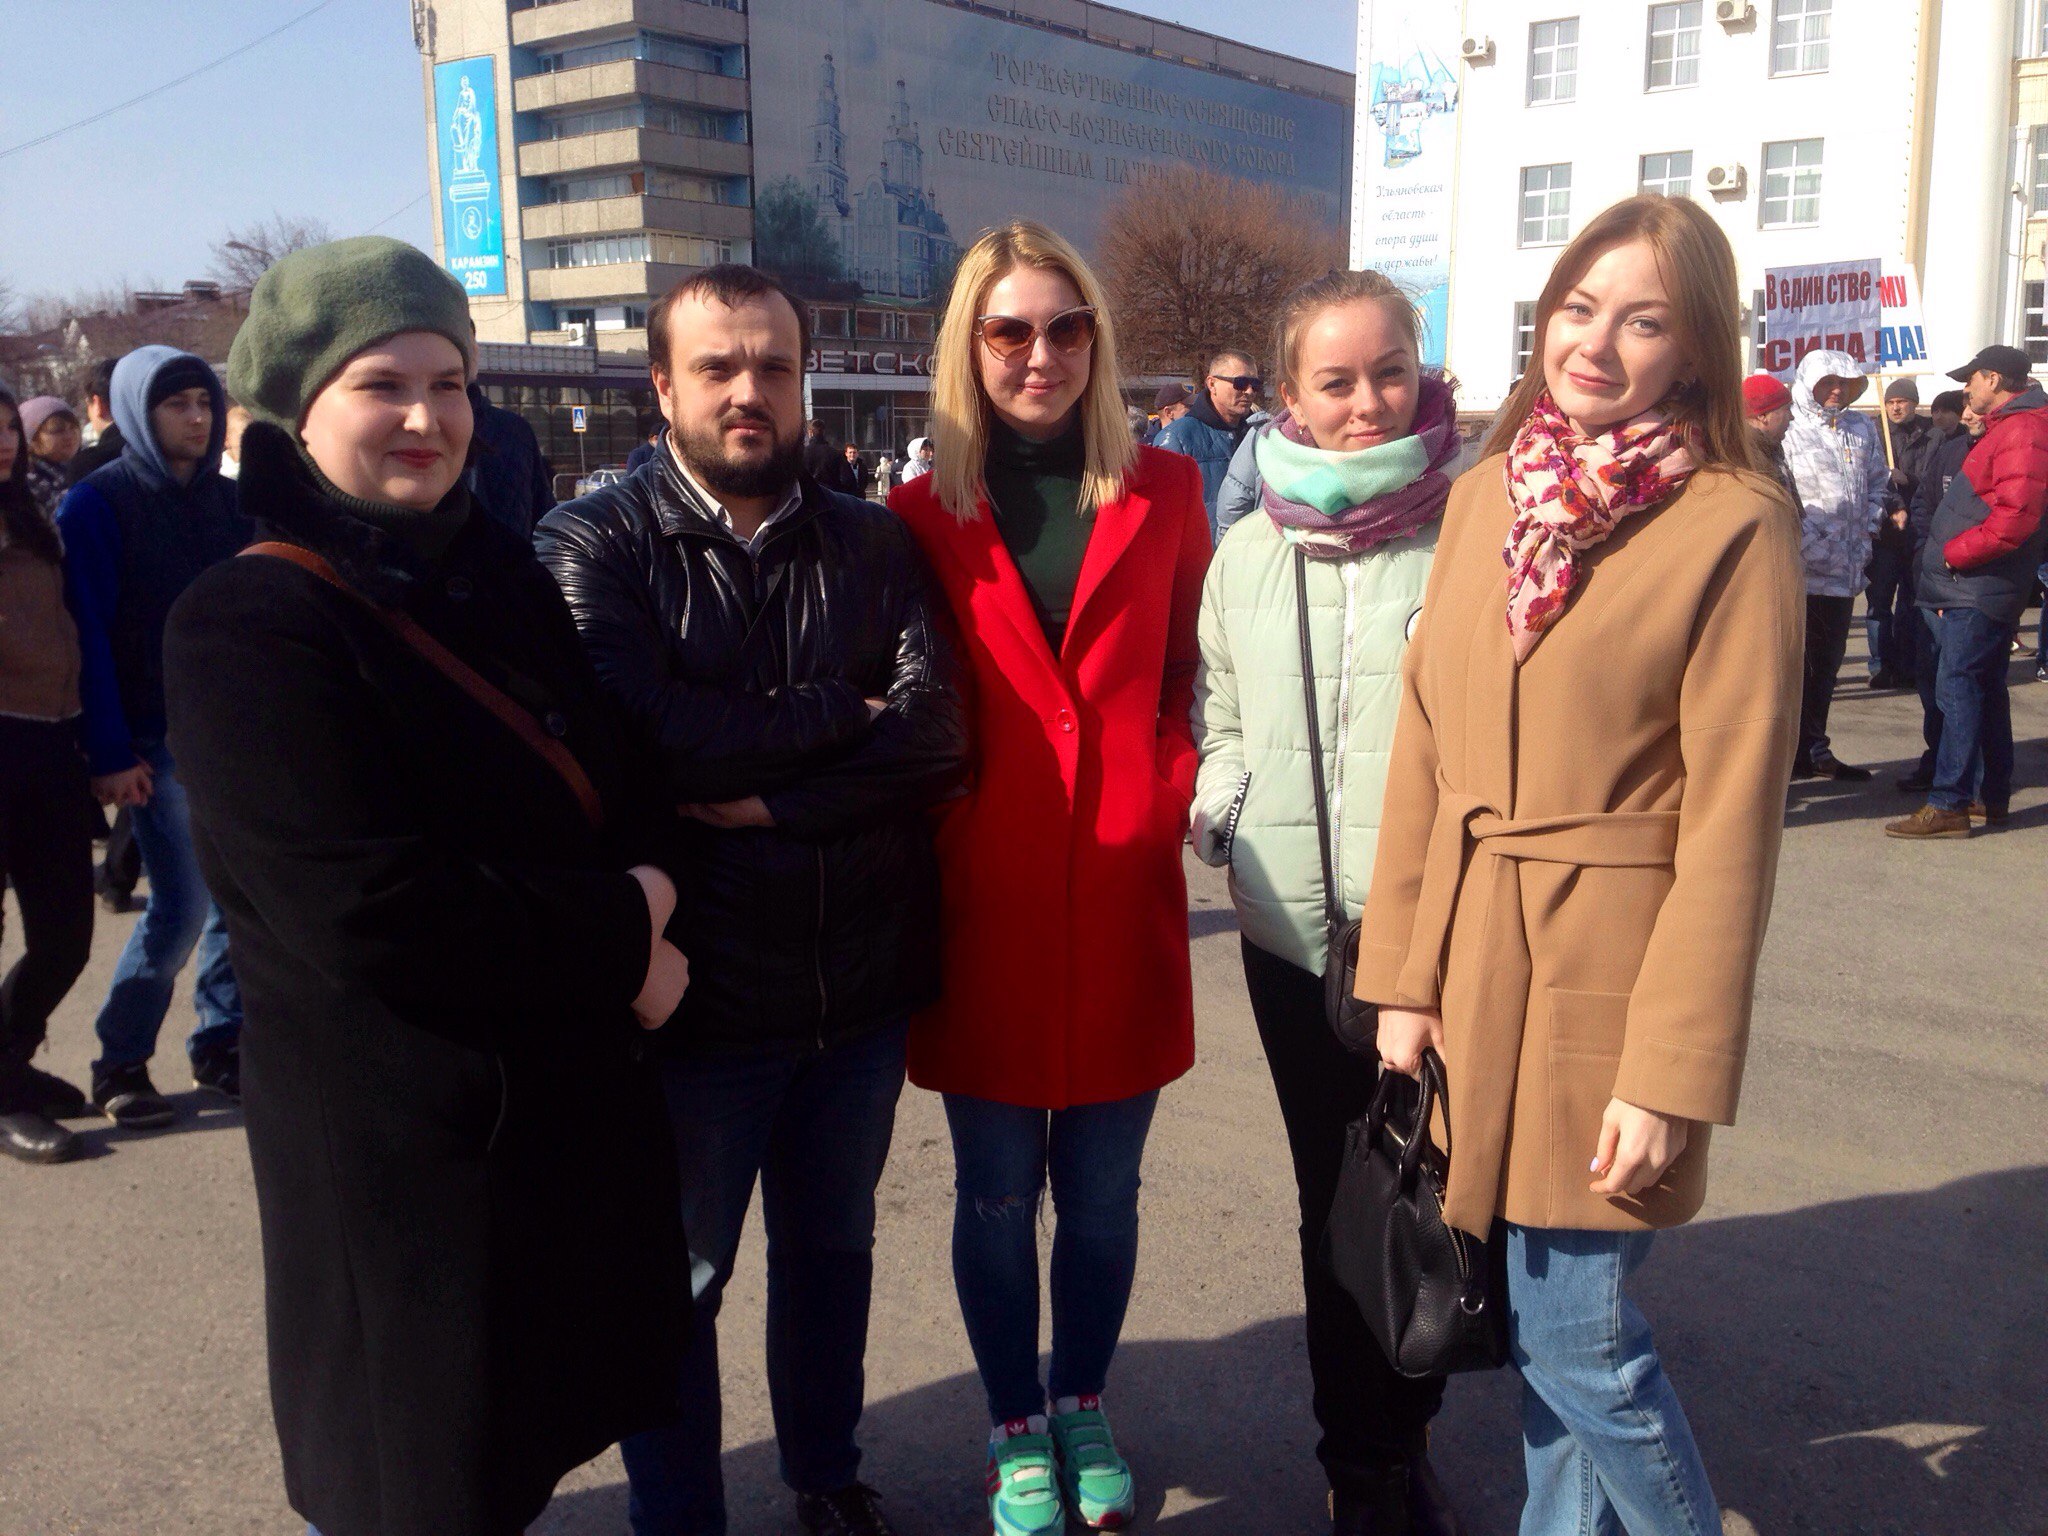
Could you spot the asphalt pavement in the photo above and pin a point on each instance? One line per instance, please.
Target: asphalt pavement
(1858, 1324)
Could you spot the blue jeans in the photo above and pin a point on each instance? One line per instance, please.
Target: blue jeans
(814, 1127)
(1003, 1157)
(181, 916)
(1930, 706)
(1974, 758)
(1604, 1439)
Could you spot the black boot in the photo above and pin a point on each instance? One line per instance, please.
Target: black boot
(1429, 1507)
(34, 1138)
(52, 1095)
(1377, 1507)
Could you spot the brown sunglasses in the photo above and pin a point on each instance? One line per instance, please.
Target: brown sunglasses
(1070, 331)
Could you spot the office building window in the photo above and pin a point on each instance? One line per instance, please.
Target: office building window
(727, 190)
(2037, 32)
(1525, 340)
(653, 48)
(2037, 181)
(2037, 322)
(662, 116)
(1553, 60)
(1670, 174)
(1546, 204)
(1799, 36)
(1674, 54)
(1791, 183)
(615, 250)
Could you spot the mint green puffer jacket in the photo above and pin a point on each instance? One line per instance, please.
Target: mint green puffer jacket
(1254, 808)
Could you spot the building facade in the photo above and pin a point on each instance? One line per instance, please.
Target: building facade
(1808, 128)
(587, 154)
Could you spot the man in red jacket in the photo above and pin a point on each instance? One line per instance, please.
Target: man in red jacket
(1976, 573)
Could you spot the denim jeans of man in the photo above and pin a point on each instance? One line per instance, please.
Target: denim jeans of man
(1974, 759)
(814, 1127)
(180, 917)
(1930, 706)
(1604, 1440)
(1890, 622)
(1004, 1158)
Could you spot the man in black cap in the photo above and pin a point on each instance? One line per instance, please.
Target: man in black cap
(1169, 404)
(1975, 575)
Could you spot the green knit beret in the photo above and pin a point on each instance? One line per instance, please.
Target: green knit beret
(319, 307)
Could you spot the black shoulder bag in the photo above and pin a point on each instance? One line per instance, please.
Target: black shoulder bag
(1353, 1022)
(1434, 1297)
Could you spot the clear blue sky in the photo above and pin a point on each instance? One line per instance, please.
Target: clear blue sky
(323, 121)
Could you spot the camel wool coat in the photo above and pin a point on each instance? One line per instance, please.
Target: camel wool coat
(1576, 856)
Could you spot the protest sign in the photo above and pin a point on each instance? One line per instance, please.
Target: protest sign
(1837, 305)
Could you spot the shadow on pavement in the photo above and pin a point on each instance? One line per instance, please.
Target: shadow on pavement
(197, 1111)
(1870, 1366)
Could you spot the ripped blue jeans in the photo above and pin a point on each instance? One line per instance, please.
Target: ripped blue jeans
(1004, 1158)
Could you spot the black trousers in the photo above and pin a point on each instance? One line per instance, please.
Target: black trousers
(1370, 1414)
(46, 849)
(1827, 642)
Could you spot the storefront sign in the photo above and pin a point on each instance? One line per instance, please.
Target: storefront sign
(912, 361)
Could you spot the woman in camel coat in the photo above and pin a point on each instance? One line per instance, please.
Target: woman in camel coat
(1581, 829)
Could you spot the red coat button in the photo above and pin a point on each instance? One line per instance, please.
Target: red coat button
(1066, 719)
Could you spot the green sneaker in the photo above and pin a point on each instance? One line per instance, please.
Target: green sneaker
(1094, 1476)
(1023, 1485)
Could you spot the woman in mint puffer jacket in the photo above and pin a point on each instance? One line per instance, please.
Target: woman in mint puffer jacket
(1353, 479)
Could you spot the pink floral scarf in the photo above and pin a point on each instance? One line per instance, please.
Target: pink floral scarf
(1568, 491)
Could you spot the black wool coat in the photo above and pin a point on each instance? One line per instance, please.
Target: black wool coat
(474, 1273)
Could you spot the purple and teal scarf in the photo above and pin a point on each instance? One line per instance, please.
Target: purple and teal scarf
(1338, 505)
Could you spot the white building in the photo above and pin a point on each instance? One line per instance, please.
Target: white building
(1915, 131)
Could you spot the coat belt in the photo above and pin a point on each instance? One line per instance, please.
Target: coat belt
(1483, 1023)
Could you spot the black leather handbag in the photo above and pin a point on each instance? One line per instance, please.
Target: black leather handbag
(1354, 1023)
(1434, 1297)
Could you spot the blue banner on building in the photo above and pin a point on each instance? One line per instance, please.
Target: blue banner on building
(472, 210)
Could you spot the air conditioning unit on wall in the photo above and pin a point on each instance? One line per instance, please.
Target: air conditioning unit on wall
(1726, 180)
(1476, 50)
(1734, 13)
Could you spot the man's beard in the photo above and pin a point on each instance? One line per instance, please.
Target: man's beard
(720, 472)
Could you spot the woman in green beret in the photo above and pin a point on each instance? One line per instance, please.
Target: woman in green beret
(443, 876)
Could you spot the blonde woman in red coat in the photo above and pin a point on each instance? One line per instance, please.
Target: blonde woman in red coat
(1072, 560)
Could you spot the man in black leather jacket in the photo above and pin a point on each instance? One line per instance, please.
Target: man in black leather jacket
(776, 644)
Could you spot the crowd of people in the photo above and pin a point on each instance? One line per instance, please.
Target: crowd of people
(554, 883)
(1937, 523)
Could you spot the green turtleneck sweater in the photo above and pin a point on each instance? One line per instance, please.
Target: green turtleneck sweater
(1035, 491)
(428, 533)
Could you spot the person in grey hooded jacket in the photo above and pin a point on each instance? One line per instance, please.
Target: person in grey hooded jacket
(137, 532)
(1838, 468)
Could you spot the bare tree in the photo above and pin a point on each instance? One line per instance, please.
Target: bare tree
(1197, 262)
(243, 255)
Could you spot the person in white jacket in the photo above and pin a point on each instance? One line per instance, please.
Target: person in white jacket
(1837, 467)
(918, 460)
(1345, 497)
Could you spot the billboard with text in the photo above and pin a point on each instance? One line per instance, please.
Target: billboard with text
(901, 129)
(1407, 152)
(472, 208)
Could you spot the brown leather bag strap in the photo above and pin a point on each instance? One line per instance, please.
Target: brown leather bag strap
(458, 672)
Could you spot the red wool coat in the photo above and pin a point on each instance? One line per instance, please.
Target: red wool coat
(1064, 925)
